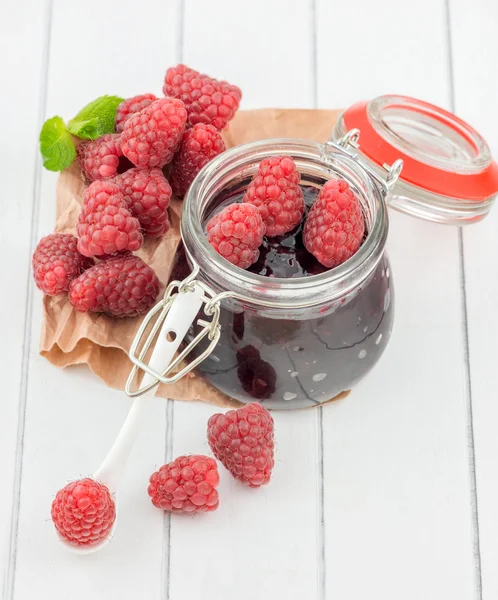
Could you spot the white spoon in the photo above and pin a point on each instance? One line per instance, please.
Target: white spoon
(174, 328)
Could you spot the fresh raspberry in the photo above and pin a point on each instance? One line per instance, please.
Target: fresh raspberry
(207, 100)
(186, 485)
(123, 286)
(199, 145)
(275, 191)
(334, 227)
(56, 261)
(147, 194)
(151, 137)
(130, 106)
(83, 512)
(243, 441)
(102, 158)
(105, 225)
(237, 233)
(258, 377)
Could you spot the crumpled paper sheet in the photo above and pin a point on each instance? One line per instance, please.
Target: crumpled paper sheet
(70, 338)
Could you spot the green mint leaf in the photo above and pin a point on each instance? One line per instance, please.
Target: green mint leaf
(88, 130)
(56, 145)
(96, 119)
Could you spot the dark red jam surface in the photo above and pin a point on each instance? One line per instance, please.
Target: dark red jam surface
(286, 256)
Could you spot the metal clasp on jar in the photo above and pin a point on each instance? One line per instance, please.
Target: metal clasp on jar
(172, 318)
(349, 145)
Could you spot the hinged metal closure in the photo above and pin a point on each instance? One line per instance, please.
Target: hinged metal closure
(349, 144)
(393, 173)
(176, 295)
(350, 139)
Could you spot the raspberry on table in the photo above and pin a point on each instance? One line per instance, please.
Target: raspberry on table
(237, 233)
(186, 485)
(151, 137)
(123, 286)
(102, 158)
(83, 512)
(258, 377)
(105, 225)
(243, 440)
(130, 106)
(207, 100)
(56, 261)
(334, 227)
(147, 194)
(275, 191)
(199, 145)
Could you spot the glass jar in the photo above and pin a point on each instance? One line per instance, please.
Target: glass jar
(299, 342)
(291, 343)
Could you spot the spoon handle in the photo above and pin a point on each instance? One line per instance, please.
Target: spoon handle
(177, 322)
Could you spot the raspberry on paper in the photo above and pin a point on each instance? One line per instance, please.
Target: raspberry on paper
(101, 158)
(105, 225)
(56, 261)
(186, 485)
(130, 106)
(83, 512)
(151, 137)
(243, 440)
(236, 233)
(147, 194)
(207, 100)
(275, 191)
(122, 286)
(334, 227)
(200, 144)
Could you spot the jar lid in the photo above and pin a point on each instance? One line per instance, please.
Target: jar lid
(448, 175)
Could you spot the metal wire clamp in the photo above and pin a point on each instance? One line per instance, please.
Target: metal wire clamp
(176, 292)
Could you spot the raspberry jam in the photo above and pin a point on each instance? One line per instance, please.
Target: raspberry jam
(292, 333)
(287, 363)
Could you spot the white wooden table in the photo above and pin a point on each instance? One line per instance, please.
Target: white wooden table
(391, 494)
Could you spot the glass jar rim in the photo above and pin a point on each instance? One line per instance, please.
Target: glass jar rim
(395, 117)
(312, 159)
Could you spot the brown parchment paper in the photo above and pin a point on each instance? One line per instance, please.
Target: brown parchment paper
(71, 338)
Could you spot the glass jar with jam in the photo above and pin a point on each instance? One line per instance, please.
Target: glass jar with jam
(289, 332)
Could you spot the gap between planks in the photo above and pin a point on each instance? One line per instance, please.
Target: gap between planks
(476, 550)
(166, 545)
(170, 405)
(321, 549)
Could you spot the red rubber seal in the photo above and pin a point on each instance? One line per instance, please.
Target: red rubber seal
(473, 186)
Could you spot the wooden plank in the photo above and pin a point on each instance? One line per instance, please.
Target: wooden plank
(275, 530)
(72, 418)
(397, 497)
(474, 62)
(23, 49)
